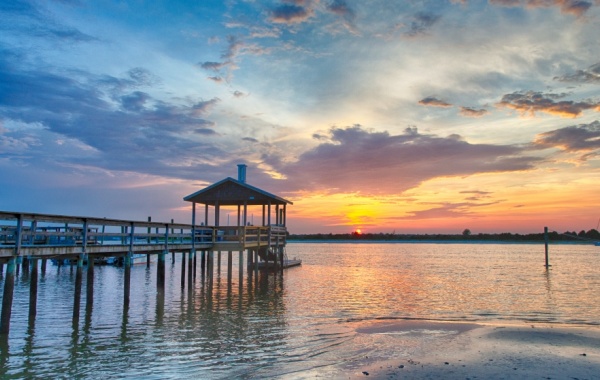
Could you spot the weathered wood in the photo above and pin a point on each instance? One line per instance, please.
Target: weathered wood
(89, 295)
(229, 265)
(77, 297)
(160, 272)
(127, 280)
(33, 291)
(182, 270)
(7, 297)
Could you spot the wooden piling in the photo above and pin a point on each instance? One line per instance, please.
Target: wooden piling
(203, 261)
(546, 245)
(7, 298)
(44, 267)
(160, 271)
(190, 269)
(33, 291)
(127, 280)
(241, 263)
(77, 297)
(229, 265)
(89, 300)
(182, 270)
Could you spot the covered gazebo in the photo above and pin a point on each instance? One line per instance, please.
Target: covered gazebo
(265, 240)
(231, 192)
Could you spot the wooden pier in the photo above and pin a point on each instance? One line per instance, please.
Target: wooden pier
(26, 239)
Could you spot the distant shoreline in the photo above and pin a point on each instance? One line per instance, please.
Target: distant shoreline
(432, 241)
(568, 237)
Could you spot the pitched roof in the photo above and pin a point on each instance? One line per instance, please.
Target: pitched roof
(233, 192)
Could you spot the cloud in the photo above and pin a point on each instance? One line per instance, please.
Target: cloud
(434, 102)
(342, 9)
(134, 101)
(421, 24)
(250, 139)
(290, 14)
(356, 160)
(33, 20)
(576, 138)
(205, 131)
(239, 94)
(471, 112)
(574, 7)
(589, 75)
(134, 133)
(528, 103)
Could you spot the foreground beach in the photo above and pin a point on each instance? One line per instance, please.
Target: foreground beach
(417, 349)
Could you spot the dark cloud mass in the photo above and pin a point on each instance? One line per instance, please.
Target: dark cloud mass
(356, 160)
(421, 24)
(134, 133)
(434, 102)
(590, 75)
(574, 7)
(472, 112)
(528, 103)
(576, 138)
(290, 14)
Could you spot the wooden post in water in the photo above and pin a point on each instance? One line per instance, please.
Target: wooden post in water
(7, 300)
(33, 290)
(77, 297)
(546, 245)
(203, 262)
(44, 267)
(89, 300)
(219, 263)
(229, 265)
(190, 269)
(241, 264)
(127, 280)
(160, 271)
(182, 270)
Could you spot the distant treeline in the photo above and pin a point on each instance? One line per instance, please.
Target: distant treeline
(582, 236)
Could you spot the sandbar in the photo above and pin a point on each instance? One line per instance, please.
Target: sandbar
(422, 349)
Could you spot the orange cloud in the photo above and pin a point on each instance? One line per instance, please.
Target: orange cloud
(530, 102)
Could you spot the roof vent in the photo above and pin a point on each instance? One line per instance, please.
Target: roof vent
(242, 173)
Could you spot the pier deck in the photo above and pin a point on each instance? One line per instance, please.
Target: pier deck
(58, 236)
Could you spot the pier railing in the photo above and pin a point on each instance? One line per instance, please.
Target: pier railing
(51, 235)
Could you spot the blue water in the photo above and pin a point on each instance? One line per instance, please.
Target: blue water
(299, 324)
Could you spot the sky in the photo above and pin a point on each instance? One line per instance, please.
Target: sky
(388, 116)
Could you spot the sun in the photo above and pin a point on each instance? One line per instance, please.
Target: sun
(358, 231)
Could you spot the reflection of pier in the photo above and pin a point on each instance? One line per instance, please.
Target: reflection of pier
(26, 239)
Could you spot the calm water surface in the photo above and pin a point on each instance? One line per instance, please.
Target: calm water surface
(295, 325)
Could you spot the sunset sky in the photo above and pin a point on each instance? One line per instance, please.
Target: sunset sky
(405, 116)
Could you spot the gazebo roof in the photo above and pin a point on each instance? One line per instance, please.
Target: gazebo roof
(231, 192)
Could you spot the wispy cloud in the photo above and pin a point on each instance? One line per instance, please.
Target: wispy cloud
(575, 138)
(472, 112)
(528, 103)
(589, 75)
(434, 102)
(391, 164)
(574, 7)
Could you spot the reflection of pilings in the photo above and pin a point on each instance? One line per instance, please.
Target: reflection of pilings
(241, 264)
(229, 265)
(25, 265)
(44, 267)
(77, 298)
(203, 261)
(33, 290)
(219, 263)
(7, 300)
(18, 265)
(182, 270)
(172, 257)
(195, 267)
(190, 269)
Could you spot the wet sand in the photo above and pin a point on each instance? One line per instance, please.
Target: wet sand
(439, 350)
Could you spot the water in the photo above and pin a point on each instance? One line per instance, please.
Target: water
(296, 325)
